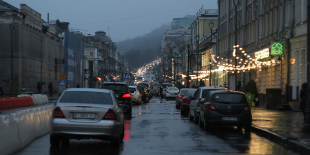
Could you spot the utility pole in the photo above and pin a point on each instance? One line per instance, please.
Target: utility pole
(236, 5)
(211, 24)
(41, 39)
(188, 54)
(12, 52)
(307, 110)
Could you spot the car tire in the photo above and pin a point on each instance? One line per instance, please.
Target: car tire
(205, 125)
(65, 142)
(247, 129)
(201, 124)
(182, 111)
(196, 119)
(177, 107)
(115, 142)
(189, 116)
(54, 141)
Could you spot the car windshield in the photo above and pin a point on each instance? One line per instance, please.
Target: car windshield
(86, 97)
(117, 88)
(172, 88)
(228, 98)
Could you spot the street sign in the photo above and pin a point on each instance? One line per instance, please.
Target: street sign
(62, 82)
(61, 89)
(62, 77)
(166, 68)
(131, 83)
(128, 76)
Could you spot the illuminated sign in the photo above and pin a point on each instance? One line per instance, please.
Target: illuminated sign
(276, 49)
(292, 61)
(262, 54)
(200, 72)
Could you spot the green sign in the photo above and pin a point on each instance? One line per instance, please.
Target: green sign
(262, 54)
(276, 49)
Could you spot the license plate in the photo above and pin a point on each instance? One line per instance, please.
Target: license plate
(83, 116)
(229, 118)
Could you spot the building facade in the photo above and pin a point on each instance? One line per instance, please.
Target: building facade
(261, 26)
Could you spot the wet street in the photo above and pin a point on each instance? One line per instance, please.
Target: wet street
(158, 128)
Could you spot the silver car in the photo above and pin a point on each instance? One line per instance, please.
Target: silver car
(84, 113)
(172, 93)
(135, 94)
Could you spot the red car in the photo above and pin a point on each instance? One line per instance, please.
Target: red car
(186, 101)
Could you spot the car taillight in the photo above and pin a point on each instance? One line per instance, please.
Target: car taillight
(58, 113)
(180, 96)
(110, 115)
(167, 92)
(127, 95)
(211, 107)
(247, 108)
(198, 103)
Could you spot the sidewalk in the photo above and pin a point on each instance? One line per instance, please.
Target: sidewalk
(285, 127)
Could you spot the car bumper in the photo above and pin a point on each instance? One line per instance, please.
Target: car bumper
(185, 106)
(171, 95)
(242, 120)
(104, 129)
(135, 98)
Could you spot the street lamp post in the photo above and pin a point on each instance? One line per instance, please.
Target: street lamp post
(236, 5)
(197, 42)
(211, 24)
(41, 39)
(188, 53)
(12, 52)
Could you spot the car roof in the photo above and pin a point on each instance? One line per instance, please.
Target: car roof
(221, 88)
(114, 83)
(192, 89)
(132, 86)
(184, 88)
(225, 92)
(89, 89)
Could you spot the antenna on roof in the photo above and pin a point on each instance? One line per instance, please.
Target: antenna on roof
(109, 31)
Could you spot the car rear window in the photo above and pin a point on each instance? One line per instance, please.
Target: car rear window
(172, 88)
(86, 97)
(117, 88)
(228, 98)
(190, 93)
(132, 89)
(143, 84)
(205, 92)
(182, 92)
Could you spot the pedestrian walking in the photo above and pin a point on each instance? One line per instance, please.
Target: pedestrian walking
(39, 87)
(161, 92)
(78, 86)
(303, 97)
(50, 89)
(1, 90)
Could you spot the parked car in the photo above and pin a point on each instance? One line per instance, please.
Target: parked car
(225, 108)
(155, 91)
(143, 91)
(185, 100)
(172, 93)
(135, 94)
(179, 98)
(84, 113)
(148, 86)
(122, 94)
(165, 86)
(195, 104)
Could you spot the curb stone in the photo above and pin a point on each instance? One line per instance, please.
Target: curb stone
(285, 141)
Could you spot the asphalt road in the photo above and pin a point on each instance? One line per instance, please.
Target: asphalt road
(158, 128)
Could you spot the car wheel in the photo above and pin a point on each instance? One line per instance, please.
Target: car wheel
(65, 142)
(182, 111)
(116, 141)
(205, 125)
(189, 115)
(247, 129)
(201, 125)
(54, 141)
(177, 107)
(195, 119)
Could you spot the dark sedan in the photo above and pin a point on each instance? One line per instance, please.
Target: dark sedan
(143, 91)
(225, 108)
(186, 100)
(179, 98)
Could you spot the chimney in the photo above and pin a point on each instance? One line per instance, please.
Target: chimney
(48, 17)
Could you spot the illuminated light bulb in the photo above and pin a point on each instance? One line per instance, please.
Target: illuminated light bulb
(226, 59)
(240, 48)
(237, 45)
(217, 57)
(237, 57)
(222, 58)
(248, 56)
(239, 62)
(243, 70)
(245, 54)
(234, 46)
(243, 51)
(233, 72)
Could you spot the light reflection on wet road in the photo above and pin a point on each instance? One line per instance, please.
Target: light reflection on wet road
(158, 128)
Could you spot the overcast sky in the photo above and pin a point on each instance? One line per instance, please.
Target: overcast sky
(126, 18)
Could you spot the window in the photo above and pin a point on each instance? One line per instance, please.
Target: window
(91, 54)
(86, 97)
(117, 88)
(228, 98)
(132, 90)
